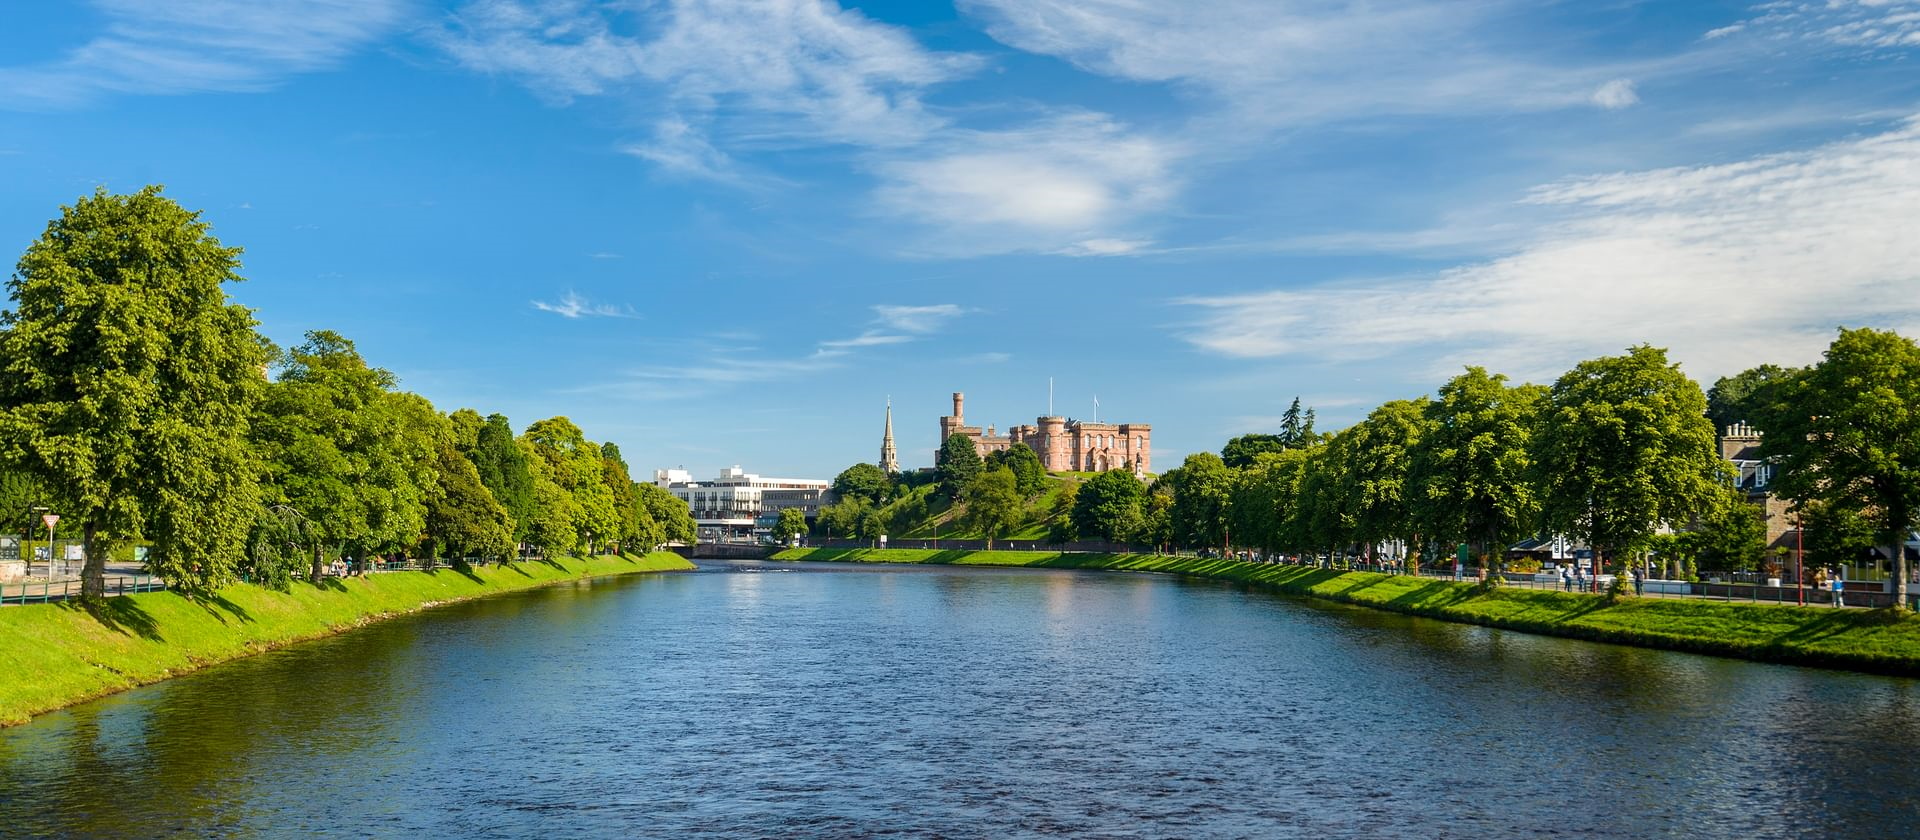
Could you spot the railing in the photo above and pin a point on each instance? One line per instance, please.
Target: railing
(47, 591)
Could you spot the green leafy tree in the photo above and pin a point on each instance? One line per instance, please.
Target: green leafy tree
(993, 504)
(1156, 521)
(1470, 474)
(1060, 524)
(503, 468)
(555, 524)
(846, 518)
(1109, 506)
(1266, 499)
(1378, 456)
(1731, 534)
(1733, 399)
(1846, 433)
(466, 424)
(1833, 534)
(345, 451)
(578, 467)
(127, 383)
(1029, 475)
(956, 464)
(1240, 451)
(670, 515)
(638, 532)
(1323, 515)
(864, 480)
(463, 519)
(793, 523)
(1202, 512)
(1623, 445)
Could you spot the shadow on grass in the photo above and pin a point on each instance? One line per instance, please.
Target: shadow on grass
(121, 615)
(220, 606)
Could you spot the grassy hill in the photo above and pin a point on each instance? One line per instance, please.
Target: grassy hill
(923, 514)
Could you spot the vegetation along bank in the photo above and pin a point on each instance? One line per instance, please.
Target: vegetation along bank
(1879, 641)
(55, 655)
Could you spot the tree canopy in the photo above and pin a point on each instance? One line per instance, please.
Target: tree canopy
(865, 480)
(128, 384)
(1846, 433)
(1109, 506)
(956, 464)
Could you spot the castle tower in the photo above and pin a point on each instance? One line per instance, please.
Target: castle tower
(889, 463)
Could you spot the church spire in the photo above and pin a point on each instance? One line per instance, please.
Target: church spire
(888, 461)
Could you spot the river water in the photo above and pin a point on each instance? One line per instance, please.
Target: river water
(760, 700)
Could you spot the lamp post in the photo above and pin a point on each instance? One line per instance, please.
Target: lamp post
(1799, 559)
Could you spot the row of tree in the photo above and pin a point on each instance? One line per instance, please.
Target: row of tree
(1617, 451)
(139, 401)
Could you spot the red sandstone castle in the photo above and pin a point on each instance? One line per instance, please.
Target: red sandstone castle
(1064, 444)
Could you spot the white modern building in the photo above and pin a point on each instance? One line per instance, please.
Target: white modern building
(730, 506)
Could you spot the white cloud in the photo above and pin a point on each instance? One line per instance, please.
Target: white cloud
(1616, 94)
(572, 305)
(1284, 63)
(1868, 24)
(168, 47)
(918, 319)
(866, 339)
(774, 72)
(1726, 265)
(1069, 181)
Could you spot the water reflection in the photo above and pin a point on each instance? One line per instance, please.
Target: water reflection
(967, 702)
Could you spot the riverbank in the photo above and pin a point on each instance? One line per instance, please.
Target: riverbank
(1877, 641)
(56, 655)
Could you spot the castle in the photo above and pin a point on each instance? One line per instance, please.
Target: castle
(1062, 444)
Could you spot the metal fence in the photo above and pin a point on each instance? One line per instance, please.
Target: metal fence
(47, 591)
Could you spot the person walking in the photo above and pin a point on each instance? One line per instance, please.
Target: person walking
(1639, 582)
(1566, 579)
(1839, 589)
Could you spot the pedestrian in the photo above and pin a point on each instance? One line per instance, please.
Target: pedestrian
(1566, 579)
(1839, 590)
(1639, 583)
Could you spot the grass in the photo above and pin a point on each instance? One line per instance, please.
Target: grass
(55, 655)
(1879, 641)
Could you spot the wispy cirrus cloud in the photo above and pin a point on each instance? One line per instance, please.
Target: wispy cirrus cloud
(573, 305)
(165, 47)
(1726, 265)
(1868, 24)
(924, 318)
(1294, 62)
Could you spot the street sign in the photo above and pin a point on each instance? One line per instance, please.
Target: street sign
(50, 520)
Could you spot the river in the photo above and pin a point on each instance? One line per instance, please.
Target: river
(761, 700)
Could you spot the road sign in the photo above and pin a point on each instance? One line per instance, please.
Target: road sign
(50, 520)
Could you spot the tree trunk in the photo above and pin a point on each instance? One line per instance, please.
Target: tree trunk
(93, 575)
(313, 573)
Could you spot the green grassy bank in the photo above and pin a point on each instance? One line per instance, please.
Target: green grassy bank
(1864, 640)
(55, 655)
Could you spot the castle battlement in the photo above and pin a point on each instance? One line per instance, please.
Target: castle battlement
(1063, 444)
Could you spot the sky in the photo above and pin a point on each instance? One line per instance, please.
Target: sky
(723, 232)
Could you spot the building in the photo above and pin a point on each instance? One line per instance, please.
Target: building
(732, 506)
(1063, 444)
(889, 460)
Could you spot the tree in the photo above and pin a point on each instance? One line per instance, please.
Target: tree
(1240, 451)
(1623, 445)
(502, 466)
(864, 480)
(1733, 399)
(577, 466)
(463, 519)
(1378, 457)
(1029, 475)
(993, 503)
(793, 523)
(1266, 497)
(1470, 474)
(127, 384)
(956, 464)
(1296, 428)
(847, 518)
(1108, 506)
(1202, 509)
(1846, 433)
(1833, 534)
(345, 451)
(1731, 534)
(1060, 526)
(671, 515)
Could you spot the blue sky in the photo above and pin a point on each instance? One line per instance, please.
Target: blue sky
(720, 232)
